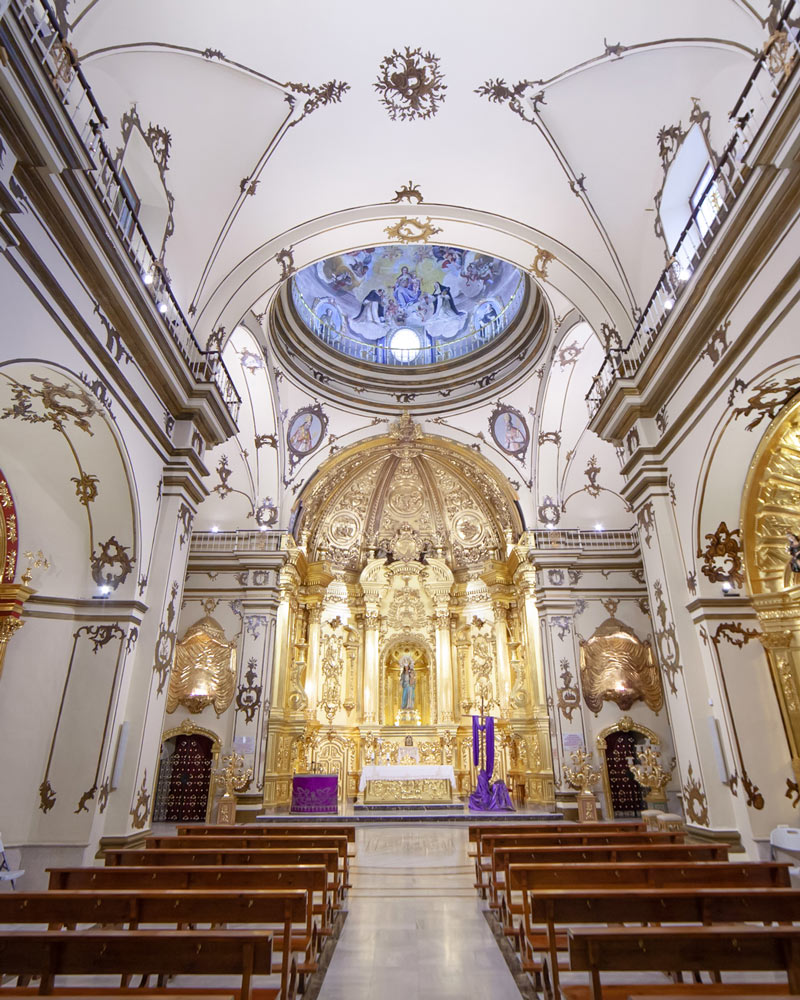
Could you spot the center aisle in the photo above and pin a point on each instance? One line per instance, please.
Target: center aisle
(415, 928)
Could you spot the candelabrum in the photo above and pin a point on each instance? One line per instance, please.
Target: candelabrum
(649, 772)
(235, 777)
(582, 775)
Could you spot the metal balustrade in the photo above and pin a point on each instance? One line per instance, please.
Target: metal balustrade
(240, 540)
(59, 61)
(762, 90)
(575, 538)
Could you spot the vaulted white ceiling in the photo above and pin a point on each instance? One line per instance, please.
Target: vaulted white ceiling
(242, 89)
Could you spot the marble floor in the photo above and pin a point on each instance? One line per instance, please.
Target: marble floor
(415, 927)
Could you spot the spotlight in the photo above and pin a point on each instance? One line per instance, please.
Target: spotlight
(147, 277)
(214, 528)
(684, 274)
(669, 304)
(162, 308)
(598, 527)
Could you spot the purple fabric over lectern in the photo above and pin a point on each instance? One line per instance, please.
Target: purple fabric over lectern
(315, 793)
(489, 745)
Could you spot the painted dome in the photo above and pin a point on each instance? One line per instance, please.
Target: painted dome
(408, 305)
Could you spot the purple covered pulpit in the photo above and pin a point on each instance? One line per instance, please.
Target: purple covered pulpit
(315, 793)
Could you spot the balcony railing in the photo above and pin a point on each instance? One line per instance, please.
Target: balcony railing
(58, 60)
(574, 538)
(232, 542)
(765, 85)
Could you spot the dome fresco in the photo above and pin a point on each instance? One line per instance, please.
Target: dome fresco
(408, 305)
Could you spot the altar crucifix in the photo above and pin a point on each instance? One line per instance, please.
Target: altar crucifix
(487, 797)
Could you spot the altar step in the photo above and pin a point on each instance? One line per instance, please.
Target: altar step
(452, 813)
(415, 808)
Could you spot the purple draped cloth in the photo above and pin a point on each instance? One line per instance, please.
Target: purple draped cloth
(488, 797)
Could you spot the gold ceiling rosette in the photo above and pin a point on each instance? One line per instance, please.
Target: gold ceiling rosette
(617, 666)
(204, 672)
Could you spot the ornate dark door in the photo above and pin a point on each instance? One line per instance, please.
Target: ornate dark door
(626, 792)
(187, 794)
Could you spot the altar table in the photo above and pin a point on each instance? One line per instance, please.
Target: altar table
(412, 783)
(315, 793)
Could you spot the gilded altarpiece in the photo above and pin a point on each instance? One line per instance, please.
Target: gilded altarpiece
(770, 527)
(407, 604)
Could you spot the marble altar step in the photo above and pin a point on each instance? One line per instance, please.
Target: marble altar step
(454, 813)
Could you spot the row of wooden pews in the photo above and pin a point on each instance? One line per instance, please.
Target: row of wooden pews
(612, 898)
(139, 915)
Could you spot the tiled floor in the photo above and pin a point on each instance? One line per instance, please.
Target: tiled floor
(415, 927)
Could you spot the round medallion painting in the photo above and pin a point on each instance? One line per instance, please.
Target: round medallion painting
(306, 430)
(509, 430)
(408, 305)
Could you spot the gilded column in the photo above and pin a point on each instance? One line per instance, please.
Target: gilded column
(783, 652)
(371, 665)
(444, 665)
(312, 668)
(501, 647)
(525, 581)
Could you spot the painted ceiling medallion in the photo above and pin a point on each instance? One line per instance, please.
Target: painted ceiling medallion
(411, 84)
(408, 306)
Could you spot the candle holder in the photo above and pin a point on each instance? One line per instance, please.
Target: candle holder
(235, 778)
(583, 775)
(650, 774)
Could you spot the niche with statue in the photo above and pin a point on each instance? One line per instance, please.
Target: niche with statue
(407, 685)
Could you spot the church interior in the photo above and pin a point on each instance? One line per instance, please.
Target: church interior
(413, 491)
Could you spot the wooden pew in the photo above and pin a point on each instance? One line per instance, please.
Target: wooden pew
(127, 953)
(287, 857)
(525, 879)
(269, 830)
(285, 908)
(754, 874)
(487, 843)
(723, 947)
(476, 830)
(610, 854)
(551, 908)
(311, 878)
(244, 842)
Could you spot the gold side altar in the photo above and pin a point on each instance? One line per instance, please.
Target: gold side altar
(407, 598)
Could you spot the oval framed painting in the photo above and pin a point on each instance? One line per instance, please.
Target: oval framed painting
(305, 432)
(509, 430)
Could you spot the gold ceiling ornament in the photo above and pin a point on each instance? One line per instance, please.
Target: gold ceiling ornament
(408, 192)
(541, 262)
(411, 230)
(411, 84)
(617, 666)
(205, 669)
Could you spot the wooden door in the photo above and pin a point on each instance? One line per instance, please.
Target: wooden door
(627, 799)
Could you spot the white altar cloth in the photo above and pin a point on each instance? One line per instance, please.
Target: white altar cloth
(405, 772)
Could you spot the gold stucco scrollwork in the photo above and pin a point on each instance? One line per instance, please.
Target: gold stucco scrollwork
(409, 230)
(695, 799)
(722, 557)
(205, 669)
(617, 666)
